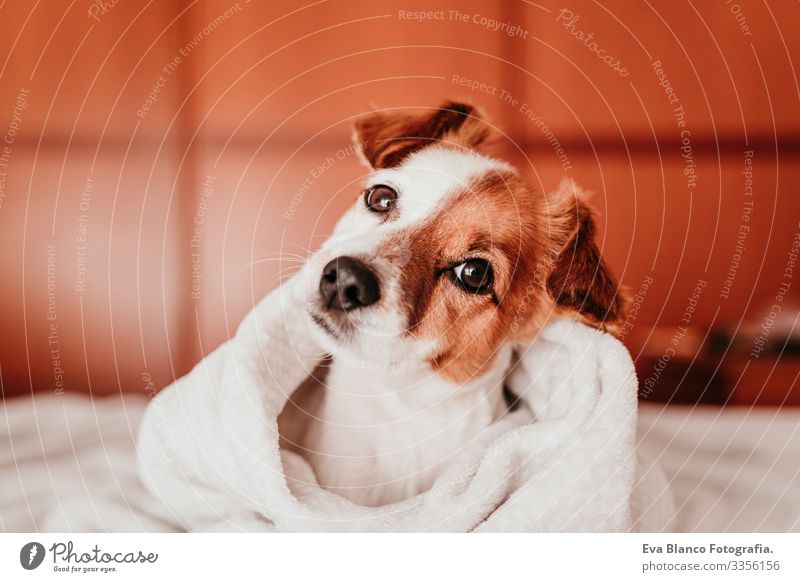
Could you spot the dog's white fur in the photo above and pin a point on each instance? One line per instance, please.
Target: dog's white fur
(382, 436)
(386, 422)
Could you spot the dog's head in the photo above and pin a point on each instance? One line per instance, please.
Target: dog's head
(448, 255)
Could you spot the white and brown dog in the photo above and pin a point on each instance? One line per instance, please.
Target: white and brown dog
(445, 263)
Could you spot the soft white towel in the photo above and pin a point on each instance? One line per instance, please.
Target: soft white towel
(208, 445)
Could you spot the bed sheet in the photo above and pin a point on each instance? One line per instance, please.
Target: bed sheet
(732, 469)
(68, 463)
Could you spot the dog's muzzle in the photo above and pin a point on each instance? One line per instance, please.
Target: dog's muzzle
(348, 284)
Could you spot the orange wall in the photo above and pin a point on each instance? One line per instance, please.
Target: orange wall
(253, 96)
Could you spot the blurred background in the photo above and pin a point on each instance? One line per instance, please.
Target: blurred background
(161, 162)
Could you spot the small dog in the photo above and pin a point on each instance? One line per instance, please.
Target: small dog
(445, 262)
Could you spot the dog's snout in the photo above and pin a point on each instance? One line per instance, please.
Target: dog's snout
(347, 284)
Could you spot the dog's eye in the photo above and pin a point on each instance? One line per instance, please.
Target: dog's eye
(475, 275)
(380, 198)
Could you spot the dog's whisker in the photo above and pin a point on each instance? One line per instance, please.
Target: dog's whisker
(282, 255)
(295, 264)
(287, 273)
(276, 260)
(305, 249)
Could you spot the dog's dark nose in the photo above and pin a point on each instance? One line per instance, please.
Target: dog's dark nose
(347, 284)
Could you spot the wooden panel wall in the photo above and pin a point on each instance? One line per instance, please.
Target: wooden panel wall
(168, 151)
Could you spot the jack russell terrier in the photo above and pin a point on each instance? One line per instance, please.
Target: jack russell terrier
(446, 262)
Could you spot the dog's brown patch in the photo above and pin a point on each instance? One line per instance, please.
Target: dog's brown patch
(488, 219)
(387, 138)
(579, 280)
(544, 258)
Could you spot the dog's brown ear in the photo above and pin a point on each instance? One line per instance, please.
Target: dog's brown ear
(579, 279)
(386, 138)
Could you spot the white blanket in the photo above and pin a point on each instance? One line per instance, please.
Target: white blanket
(67, 463)
(209, 451)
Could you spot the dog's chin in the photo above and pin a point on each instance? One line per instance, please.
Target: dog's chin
(326, 330)
(338, 336)
(345, 342)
